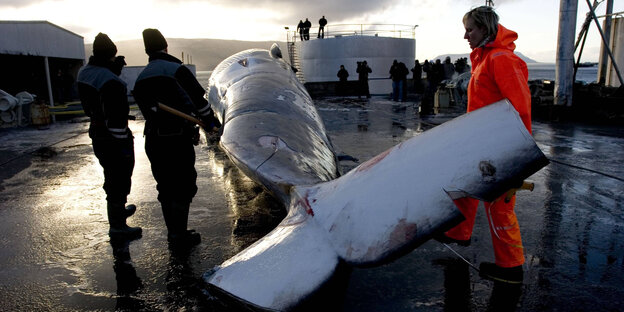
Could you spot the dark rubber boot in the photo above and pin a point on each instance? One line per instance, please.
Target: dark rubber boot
(493, 272)
(117, 215)
(179, 237)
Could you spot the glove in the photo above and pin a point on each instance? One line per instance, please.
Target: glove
(118, 64)
(195, 137)
(210, 121)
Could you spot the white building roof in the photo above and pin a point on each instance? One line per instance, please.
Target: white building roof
(40, 38)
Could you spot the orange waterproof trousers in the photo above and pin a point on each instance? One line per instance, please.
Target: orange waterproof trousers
(504, 228)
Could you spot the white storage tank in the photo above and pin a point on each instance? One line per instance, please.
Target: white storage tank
(616, 45)
(321, 58)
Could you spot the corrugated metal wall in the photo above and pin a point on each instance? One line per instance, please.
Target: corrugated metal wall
(39, 38)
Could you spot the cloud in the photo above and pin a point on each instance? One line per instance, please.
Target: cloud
(293, 11)
(16, 4)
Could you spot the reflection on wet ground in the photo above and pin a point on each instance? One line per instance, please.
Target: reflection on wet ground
(57, 255)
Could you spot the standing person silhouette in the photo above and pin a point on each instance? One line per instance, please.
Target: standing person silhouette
(342, 74)
(169, 139)
(306, 29)
(497, 74)
(104, 99)
(300, 27)
(363, 70)
(321, 30)
(417, 71)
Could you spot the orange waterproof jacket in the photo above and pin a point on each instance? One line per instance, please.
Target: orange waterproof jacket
(497, 73)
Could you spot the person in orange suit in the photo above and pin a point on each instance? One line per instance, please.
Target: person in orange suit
(497, 73)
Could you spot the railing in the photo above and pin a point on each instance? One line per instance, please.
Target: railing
(344, 30)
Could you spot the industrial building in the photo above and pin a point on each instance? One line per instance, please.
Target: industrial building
(40, 58)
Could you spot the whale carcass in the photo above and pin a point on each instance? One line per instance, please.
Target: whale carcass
(373, 214)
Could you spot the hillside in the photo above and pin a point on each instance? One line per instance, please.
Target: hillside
(206, 54)
(467, 55)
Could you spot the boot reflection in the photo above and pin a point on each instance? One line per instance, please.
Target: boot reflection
(457, 293)
(128, 283)
(504, 297)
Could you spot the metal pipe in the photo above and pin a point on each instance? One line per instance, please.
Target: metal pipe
(565, 53)
(602, 70)
(611, 14)
(581, 40)
(606, 43)
(48, 80)
(578, 59)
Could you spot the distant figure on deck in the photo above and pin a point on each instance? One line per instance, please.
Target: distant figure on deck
(417, 72)
(104, 99)
(426, 68)
(437, 74)
(398, 74)
(426, 105)
(403, 71)
(397, 84)
(363, 70)
(461, 65)
(449, 68)
(321, 30)
(300, 27)
(306, 29)
(343, 74)
(169, 139)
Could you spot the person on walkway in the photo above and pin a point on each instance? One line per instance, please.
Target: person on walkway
(437, 74)
(403, 72)
(393, 76)
(497, 73)
(321, 30)
(300, 28)
(363, 70)
(104, 98)
(449, 68)
(398, 76)
(343, 74)
(169, 139)
(306, 29)
(426, 104)
(417, 72)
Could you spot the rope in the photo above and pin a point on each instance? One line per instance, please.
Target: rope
(460, 256)
(587, 169)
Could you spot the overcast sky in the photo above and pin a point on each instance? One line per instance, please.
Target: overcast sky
(439, 31)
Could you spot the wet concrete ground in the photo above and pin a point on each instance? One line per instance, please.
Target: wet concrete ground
(56, 254)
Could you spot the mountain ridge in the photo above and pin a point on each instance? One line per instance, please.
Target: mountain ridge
(453, 57)
(205, 54)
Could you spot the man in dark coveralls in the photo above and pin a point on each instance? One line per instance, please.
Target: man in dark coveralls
(169, 139)
(306, 29)
(321, 30)
(104, 99)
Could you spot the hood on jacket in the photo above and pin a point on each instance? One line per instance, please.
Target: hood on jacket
(504, 39)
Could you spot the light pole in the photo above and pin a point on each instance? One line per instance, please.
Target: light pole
(414, 35)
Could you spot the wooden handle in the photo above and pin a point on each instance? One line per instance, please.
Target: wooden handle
(181, 114)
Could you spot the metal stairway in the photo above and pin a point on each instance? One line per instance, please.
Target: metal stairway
(294, 60)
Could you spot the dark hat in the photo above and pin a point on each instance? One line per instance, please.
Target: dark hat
(103, 46)
(153, 40)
